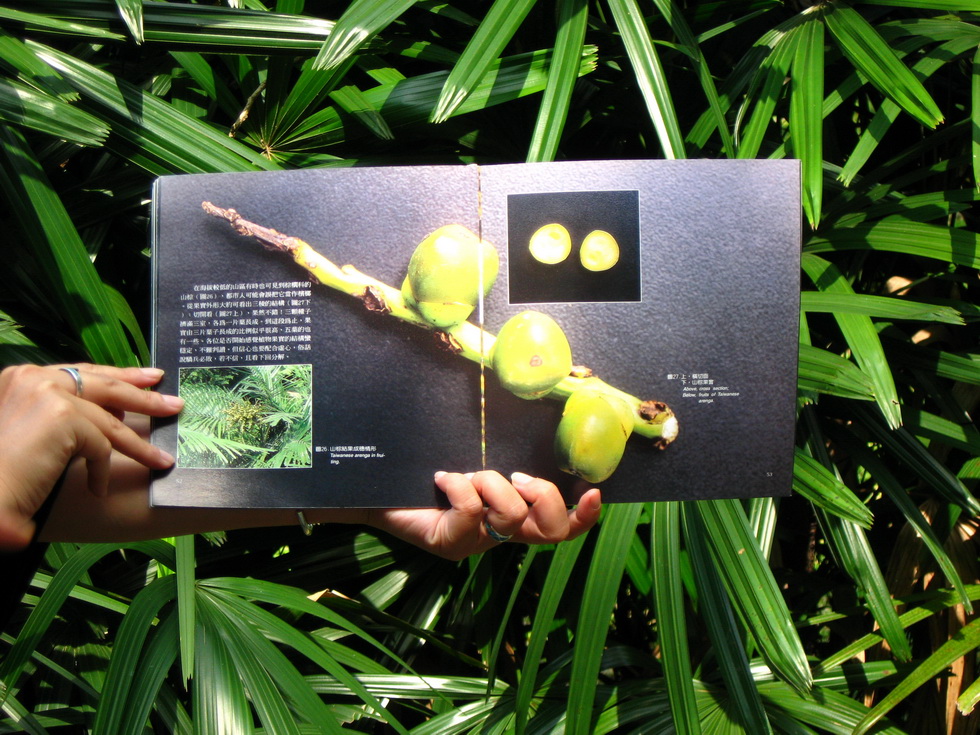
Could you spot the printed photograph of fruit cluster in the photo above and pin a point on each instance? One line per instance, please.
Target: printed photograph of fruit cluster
(451, 270)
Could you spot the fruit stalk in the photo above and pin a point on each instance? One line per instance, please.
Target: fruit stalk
(651, 419)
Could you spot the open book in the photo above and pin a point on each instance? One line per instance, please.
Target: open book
(341, 334)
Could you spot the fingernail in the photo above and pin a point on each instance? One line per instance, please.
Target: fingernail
(152, 372)
(519, 479)
(438, 474)
(174, 402)
(166, 457)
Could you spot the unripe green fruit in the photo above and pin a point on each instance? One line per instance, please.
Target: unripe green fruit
(531, 354)
(443, 281)
(550, 244)
(592, 434)
(600, 251)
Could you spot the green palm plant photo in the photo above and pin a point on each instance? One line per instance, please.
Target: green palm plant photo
(249, 417)
(846, 607)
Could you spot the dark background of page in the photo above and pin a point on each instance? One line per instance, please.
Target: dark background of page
(707, 230)
(720, 269)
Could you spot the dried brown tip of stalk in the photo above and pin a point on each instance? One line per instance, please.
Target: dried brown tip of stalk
(649, 410)
(447, 342)
(374, 301)
(581, 371)
(271, 239)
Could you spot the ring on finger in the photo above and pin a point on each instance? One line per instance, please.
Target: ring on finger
(77, 377)
(493, 532)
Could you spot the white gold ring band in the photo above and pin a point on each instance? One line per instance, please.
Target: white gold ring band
(77, 377)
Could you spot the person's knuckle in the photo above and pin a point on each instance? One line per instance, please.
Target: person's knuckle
(111, 383)
(470, 506)
(114, 426)
(558, 532)
(514, 511)
(57, 407)
(17, 374)
(103, 448)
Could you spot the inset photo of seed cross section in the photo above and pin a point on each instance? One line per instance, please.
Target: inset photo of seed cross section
(581, 246)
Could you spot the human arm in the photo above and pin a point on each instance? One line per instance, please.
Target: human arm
(530, 509)
(105, 493)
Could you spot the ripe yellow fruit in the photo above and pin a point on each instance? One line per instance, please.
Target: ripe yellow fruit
(592, 434)
(600, 251)
(531, 354)
(443, 281)
(550, 244)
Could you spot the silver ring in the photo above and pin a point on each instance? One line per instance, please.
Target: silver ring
(493, 532)
(77, 376)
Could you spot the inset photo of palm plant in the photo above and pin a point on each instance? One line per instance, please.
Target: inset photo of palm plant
(248, 417)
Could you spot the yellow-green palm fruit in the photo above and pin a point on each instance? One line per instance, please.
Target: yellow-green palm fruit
(531, 354)
(599, 251)
(592, 434)
(443, 281)
(550, 244)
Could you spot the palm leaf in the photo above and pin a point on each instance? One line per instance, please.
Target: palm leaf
(877, 306)
(869, 52)
(963, 643)
(770, 80)
(650, 76)
(890, 110)
(125, 662)
(913, 455)
(573, 18)
(132, 13)
(890, 485)
(485, 46)
(189, 25)
(690, 45)
(220, 701)
(825, 372)
(559, 572)
(723, 630)
(361, 20)
(822, 488)
(21, 105)
(861, 337)
(806, 111)
(753, 591)
(155, 134)
(605, 572)
(186, 608)
(671, 619)
(64, 264)
(61, 586)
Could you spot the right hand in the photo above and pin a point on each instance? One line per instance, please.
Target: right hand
(44, 425)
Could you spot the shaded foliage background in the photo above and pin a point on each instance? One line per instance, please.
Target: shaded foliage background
(844, 607)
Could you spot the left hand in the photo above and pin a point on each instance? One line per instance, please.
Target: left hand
(44, 423)
(528, 509)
